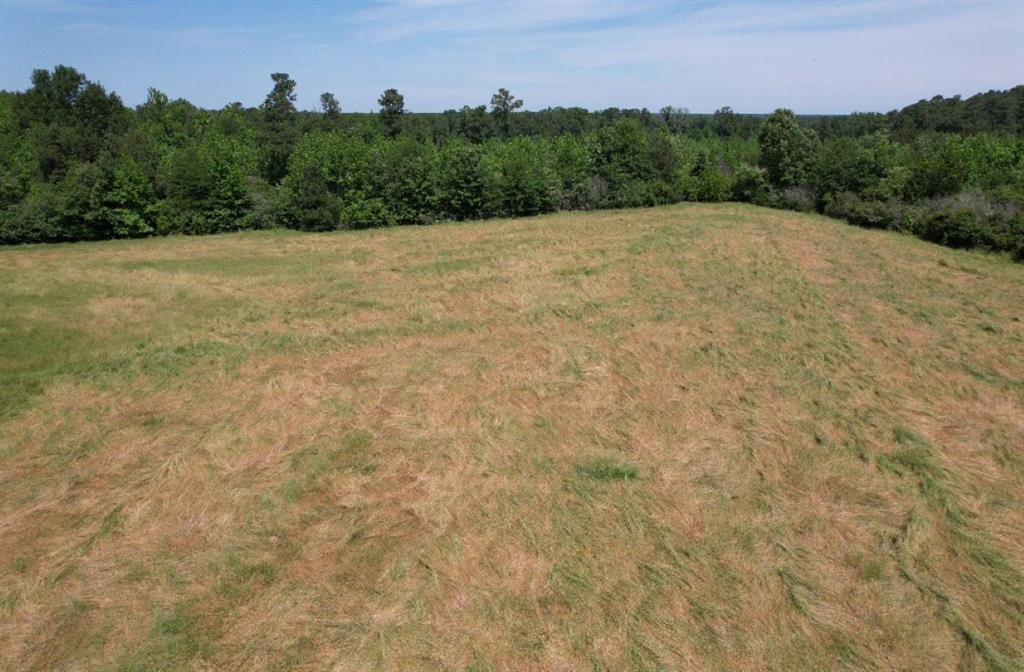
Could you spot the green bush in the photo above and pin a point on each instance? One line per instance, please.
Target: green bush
(367, 213)
(527, 182)
(405, 178)
(574, 165)
(750, 185)
(466, 182)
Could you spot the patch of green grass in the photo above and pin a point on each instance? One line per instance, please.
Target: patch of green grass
(240, 580)
(179, 637)
(608, 470)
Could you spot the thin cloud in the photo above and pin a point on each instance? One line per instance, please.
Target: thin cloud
(404, 20)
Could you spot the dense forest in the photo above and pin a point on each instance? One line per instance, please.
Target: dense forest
(77, 164)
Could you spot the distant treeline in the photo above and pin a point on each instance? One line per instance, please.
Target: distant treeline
(76, 164)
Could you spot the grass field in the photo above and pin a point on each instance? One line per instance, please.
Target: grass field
(686, 438)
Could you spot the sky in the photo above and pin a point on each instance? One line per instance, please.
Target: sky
(812, 57)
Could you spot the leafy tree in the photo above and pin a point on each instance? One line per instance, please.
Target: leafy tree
(205, 185)
(312, 206)
(19, 167)
(330, 105)
(579, 188)
(527, 183)
(131, 200)
(941, 167)
(725, 122)
(392, 111)
(279, 131)
(405, 178)
(466, 181)
(503, 104)
(623, 160)
(787, 149)
(330, 174)
(70, 119)
(473, 123)
(872, 165)
(674, 118)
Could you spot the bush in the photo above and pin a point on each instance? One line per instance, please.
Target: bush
(206, 186)
(574, 166)
(939, 167)
(623, 159)
(955, 228)
(527, 183)
(973, 219)
(404, 177)
(34, 220)
(750, 185)
(466, 182)
(802, 199)
(367, 213)
(894, 215)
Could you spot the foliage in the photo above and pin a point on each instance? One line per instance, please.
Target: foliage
(75, 164)
(503, 104)
(278, 131)
(787, 149)
(392, 108)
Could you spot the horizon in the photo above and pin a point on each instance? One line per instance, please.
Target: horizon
(814, 58)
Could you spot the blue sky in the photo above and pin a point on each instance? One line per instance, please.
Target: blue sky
(813, 57)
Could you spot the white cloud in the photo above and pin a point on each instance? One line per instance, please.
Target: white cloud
(404, 20)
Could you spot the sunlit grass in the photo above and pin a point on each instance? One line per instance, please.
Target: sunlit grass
(691, 437)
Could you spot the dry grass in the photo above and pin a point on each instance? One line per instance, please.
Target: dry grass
(695, 437)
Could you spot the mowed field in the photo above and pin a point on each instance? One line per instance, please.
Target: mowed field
(699, 437)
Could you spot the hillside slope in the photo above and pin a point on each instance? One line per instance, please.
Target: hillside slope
(692, 437)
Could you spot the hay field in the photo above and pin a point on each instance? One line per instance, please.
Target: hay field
(698, 437)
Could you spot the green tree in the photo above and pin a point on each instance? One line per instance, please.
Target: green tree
(787, 149)
(279, 128)
(131, 200)
(473, 123)
(674, 118)
(503, 104)
(466, 184)
(330, 105)
(71, 120)
(624, 161)
(392, 111)
(725, 122)
(527, 182)
(405, 179)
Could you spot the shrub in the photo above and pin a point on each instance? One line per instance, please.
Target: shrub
(939, 167)
(623, 159)
(311, 205)
(404, 176)
(956, 228)
(802, 199)
(893, 215)
(574, 166)
(367, 213)
(206, 186)
(527, 183)
(466, 182)
(750, 185)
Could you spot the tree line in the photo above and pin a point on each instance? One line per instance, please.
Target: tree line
(77, 164)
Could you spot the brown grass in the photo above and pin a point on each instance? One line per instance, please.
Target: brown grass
(694, 437)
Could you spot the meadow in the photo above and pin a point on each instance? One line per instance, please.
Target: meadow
(691, 437)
